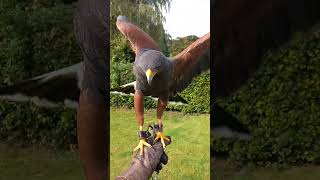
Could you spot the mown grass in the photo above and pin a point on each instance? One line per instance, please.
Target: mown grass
(224, 172)
(38, 163)
(189, 153)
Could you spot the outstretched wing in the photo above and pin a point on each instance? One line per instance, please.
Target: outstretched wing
(190, 63)
(138, 38)
(128, 90)
(53, 89)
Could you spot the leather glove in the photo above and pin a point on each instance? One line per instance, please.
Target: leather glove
(142, 168)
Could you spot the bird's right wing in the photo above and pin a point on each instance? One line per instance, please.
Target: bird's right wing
(137, 37)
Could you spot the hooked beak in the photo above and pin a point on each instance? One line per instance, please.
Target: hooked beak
(150, 74)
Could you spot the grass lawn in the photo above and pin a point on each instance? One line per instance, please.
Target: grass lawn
(223, 172)
(34, 163)
(189, 153)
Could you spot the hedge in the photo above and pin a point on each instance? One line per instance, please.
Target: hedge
(35, 38)
(280, 105)
(28, 124)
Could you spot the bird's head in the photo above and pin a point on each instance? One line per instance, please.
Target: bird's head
(154, 63)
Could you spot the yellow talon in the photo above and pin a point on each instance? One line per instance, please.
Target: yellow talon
(141, 145)
(162, 138)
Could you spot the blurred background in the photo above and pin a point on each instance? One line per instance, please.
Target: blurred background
(36, 37)
(267, 76)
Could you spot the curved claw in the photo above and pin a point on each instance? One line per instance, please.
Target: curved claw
(162, 138)
(141, 145)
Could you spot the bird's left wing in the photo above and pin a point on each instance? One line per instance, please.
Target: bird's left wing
(190, 62)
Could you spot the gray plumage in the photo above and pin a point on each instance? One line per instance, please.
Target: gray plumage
(153, 59)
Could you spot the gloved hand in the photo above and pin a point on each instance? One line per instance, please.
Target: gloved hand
(142, 168)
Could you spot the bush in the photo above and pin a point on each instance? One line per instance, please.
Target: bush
(36, 37)
(27, 124)
(197, 95)
(120, 74)
(36, 41)
(280, 106)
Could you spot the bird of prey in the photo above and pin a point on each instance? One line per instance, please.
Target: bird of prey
(158, 75)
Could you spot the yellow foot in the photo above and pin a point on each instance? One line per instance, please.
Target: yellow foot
(141, 145)
(162, 137)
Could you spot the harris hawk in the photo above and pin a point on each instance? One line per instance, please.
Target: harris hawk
(158, 75)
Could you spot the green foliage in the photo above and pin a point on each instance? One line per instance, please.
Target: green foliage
(280, 105)
(35, 41)
(145, 14)
(27, 124)
(122, 58)
(121, 51)
(120, 74)
(179, 44)
(198, 95)
(36, 37)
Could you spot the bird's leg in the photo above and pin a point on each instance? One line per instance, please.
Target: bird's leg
(139, 109)
(161, 107)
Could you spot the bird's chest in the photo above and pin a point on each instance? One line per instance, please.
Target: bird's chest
(158, 86)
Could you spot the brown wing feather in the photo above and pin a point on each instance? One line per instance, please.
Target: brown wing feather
(190, 63)
(137, 37)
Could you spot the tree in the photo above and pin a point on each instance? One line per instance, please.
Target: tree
(147, 14)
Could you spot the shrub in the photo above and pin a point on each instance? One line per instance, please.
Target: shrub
(36, 37)
(27, 124)
(197, 95)
(280, 106)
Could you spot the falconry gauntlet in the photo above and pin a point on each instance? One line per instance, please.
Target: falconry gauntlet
(141, 168)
